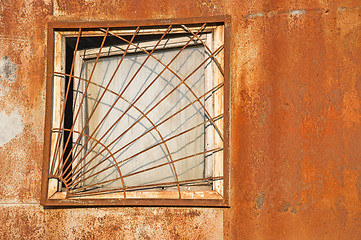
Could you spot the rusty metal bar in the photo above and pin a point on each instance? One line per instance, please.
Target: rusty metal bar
(175, 74)
(159, 124)
(175, 88)
(81, 102)
(105, 147)
(205, 45)
(117, 101)
(223, 134)
(66, 97)
(144, 150)
(154, 126)
(149, 186)
(152, 168)
(101, 97)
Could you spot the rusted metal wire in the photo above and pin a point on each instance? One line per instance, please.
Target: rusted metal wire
(159, 102)
(145, 170)
(114, 124)
(106, 88)
(81, 102)
(66, 97)
(149, 130)
(140, 152)
(74, 169)
(147, 186)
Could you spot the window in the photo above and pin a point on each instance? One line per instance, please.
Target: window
(137, 113)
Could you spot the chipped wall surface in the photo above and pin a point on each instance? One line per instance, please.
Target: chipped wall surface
(295, 123)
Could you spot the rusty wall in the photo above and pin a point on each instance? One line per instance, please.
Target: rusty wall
(295, 127)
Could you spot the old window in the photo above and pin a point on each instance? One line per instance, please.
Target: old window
(137, 113)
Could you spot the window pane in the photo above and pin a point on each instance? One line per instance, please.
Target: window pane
(148, 92)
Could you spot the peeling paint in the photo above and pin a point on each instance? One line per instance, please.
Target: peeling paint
(260, 200)
(285, 206)
(7, 69)
(10, 126)
(273, 13)
(293, 210)
(348, 8)
(298, 12)
(252, 15)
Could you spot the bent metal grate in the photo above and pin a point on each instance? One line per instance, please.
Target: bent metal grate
(137, 114)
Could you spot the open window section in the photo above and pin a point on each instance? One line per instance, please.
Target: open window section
(137, 115)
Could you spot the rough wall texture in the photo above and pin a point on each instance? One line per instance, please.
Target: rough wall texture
(296, 124)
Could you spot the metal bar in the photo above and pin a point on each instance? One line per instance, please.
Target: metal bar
(81, 102)
(150, 185)
(105, 147)
(101, 97)
(152, 168)
(167, 67)
(66, 97)
(154, 126)
(149, 54)
(99, 124)
(169, 154)
(205, 45)
(159, 124)
(175, 88)
(144, 150)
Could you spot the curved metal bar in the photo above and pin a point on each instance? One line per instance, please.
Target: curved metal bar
(162, 142)
(158, 166)
(205, 45)
(109, 90)
(149, 186)
(101, 97)
(175, 74)
(105, 147)
(210, 118)
(81, 102)
(66, 97)
(151, 148)
(135, 74)
(63, 181)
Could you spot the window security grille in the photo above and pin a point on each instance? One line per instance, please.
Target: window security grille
(137, 114)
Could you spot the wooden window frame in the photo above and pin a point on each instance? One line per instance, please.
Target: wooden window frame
(49, 187)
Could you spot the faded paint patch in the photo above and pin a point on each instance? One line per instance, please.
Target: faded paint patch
(285, 206)
(253, 15)
(340, 9)
(273, 13)
(260, 199)
(298, 12)
(10, 126)
(7, 69)
(293, 210)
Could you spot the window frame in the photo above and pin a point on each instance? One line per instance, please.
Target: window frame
(59, 25)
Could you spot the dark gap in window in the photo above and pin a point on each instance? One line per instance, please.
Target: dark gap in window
(95, 42)
(68, 114)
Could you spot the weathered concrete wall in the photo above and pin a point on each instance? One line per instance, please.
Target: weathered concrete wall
(296, 124)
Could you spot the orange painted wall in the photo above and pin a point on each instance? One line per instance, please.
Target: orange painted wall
(295, 129)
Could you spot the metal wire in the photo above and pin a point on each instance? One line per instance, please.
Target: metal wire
(75, 169)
